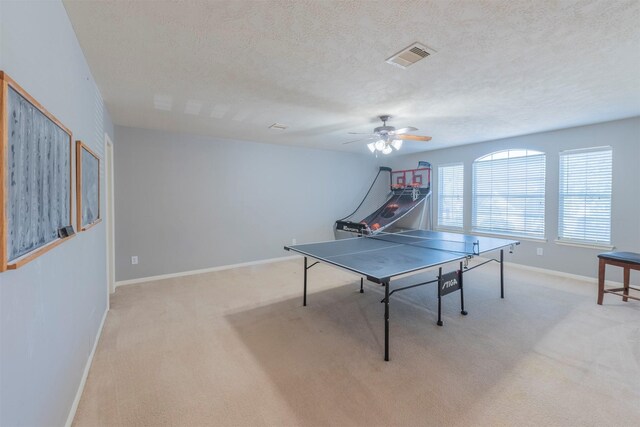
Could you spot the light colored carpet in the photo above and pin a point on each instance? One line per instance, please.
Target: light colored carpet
(236, 348)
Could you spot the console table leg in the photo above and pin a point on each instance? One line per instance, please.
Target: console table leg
(627, 272)
(601, 270)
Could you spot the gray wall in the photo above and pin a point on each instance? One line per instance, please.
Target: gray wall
(622, 135)
(51, 308)
(185, 202)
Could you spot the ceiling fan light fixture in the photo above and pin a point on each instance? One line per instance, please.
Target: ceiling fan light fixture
(387, 139)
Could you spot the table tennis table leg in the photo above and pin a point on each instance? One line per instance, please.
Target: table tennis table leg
(304, 298)
(501, 273)
(462, 310)
(439, 323)
(361, 285)
(386, 321)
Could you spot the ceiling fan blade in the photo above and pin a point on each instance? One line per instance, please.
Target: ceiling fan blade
(360, 139)
(405, 130)
(361, 133)
(414, 137)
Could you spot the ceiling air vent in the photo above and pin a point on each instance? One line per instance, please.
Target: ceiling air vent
(278, 126)
(410, 55)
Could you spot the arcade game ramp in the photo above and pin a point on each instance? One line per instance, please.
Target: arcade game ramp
(393, 210)
(410, 189)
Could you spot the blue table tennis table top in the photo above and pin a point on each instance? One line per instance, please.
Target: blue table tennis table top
(382, 256)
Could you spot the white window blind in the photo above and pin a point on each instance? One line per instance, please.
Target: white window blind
(585, 195)
(450, 195)
(509, 193)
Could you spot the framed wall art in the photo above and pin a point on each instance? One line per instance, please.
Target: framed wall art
(87, 187)
(35, 178)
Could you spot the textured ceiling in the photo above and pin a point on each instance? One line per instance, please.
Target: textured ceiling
(231, 69)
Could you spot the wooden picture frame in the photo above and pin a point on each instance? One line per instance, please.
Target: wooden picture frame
(87, 187)
(29, 126)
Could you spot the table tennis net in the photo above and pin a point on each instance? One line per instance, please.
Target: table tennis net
(463, 247)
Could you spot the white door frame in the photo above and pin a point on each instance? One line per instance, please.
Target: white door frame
(110, 237)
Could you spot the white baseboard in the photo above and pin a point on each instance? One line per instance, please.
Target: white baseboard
(203, 270)
(562, 274)
(85, 374)
(288, 258)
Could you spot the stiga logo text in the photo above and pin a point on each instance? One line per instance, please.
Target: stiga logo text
(449, 283)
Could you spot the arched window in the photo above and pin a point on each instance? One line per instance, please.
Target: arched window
(509, 193)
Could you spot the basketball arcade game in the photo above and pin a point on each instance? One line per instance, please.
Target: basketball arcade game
(410, 189)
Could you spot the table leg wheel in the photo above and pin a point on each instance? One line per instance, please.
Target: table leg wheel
(464, 312)
(440, 323)
(362, 291)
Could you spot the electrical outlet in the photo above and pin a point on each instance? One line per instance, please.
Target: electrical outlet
(134, 260)
(539, 251)
(294, 241)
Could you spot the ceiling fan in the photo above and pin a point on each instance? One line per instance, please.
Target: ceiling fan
(388, 138)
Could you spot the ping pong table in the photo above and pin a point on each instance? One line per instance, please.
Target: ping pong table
(381, 257)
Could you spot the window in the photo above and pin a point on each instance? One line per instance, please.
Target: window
(585, 195)
(508, 193)
(450, 195)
